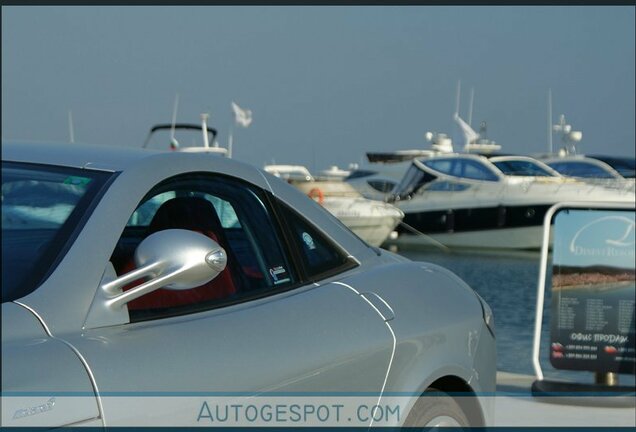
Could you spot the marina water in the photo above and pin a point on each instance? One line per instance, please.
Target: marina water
(508, 282)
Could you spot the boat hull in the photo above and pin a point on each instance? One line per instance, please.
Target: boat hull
(373, 230)
(520, 238)
(501, 215)
(372, 221)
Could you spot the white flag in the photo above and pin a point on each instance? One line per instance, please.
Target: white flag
(241, 116)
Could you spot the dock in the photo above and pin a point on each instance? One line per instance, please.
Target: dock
(516, 406)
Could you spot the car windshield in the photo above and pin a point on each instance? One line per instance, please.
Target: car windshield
(42, 207)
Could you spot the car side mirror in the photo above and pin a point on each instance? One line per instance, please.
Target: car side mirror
(173, 259)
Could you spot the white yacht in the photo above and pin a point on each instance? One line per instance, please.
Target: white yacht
(381, 175)
(373, 221)
(609, 171)
(384, 170)
(376, 181)
(208, 143)
(465, 200)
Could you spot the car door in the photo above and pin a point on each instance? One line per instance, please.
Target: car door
(286, 330)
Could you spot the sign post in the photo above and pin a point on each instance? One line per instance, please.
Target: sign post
(592, 282)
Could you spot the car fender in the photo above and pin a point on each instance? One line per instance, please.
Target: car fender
(437, 322)
(44, 382)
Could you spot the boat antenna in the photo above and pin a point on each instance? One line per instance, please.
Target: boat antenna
(550, 148)
(459, 90)
(470, 106)
(204, 129)
(71, 131)
(174, 144)
(483, 130)
(230, 141)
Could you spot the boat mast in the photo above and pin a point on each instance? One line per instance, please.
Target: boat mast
(230, 140)
(550, 149)
(174, 144)
(459, 90)
(470, 107)
(71, 131)
(204, 129)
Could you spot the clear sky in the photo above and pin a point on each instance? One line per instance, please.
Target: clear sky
(325, 84)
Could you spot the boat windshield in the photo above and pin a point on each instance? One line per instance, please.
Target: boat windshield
(468, 168)
(624, 165)
(414, 178)
(582, 169)
(42, 209)
(522, 167)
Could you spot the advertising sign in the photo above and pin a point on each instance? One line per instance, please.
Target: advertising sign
(593, 291)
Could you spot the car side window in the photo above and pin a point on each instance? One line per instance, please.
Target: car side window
(232, 214)
(319, 256)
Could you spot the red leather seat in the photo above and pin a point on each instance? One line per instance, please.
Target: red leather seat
(196, 214)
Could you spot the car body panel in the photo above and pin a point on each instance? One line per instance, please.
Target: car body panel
(35, 367)
(277, 344)
(418, 349)
(107, 158)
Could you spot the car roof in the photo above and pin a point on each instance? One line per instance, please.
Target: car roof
(102, 157)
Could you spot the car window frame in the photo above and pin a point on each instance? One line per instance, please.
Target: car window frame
(295, 249)
(103, 180)
(267, 201)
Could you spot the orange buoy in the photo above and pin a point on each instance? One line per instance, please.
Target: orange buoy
(316, 193)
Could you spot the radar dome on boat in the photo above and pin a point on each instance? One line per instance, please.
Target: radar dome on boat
(575, 136)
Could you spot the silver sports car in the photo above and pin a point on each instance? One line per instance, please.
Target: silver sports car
(170, 288)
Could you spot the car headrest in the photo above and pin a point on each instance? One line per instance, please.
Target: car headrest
(191, 213)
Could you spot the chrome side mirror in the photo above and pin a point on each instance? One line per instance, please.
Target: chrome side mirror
(173, 259)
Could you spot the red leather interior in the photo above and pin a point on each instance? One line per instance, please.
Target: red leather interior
(196, 214)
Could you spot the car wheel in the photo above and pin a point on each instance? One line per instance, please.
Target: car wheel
(436, 408)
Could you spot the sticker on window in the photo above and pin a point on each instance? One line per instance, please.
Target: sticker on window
(279, 275)
(309, 241)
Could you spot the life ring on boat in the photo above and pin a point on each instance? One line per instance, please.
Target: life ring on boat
(316, 193)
